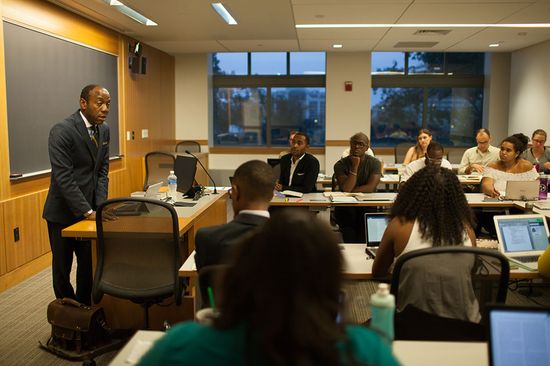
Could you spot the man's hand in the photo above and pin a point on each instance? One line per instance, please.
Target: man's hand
(91, 216)
(108, 215)
(546, 165)
(476, 168)
(278, 186)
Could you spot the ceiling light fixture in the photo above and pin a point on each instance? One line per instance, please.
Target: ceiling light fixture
(224, 13)
(131, 13)
(494, 45)
(365, 25)
(337, 46)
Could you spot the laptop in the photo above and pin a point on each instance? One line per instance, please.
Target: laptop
(185, 168)
(375, 226)
(522, 190)
(522, 238)
(518, 335)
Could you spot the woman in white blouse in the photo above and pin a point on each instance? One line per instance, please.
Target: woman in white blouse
(510, 166)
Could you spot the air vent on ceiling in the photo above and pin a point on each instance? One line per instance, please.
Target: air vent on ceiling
(415, 44)
(432, 32)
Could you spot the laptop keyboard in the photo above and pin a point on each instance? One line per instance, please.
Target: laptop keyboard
(527, 258)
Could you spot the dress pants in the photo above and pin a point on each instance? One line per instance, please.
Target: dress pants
(62, 260)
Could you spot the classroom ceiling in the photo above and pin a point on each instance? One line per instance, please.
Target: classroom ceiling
(191, 26)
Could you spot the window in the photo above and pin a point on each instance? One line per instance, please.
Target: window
(235, 63)
(442, 92)
(262, 106)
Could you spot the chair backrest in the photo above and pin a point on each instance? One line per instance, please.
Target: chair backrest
(192, 146)
(157, 167)
(451, 283)
(401, 150)
(454, 155)
(138, 255)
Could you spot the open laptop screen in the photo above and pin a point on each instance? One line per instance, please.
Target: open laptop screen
(519, 336)
(522, 233)
(375, 225)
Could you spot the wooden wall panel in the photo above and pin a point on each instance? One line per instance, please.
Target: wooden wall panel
(3, 269)
(22, 213)
(145, 101)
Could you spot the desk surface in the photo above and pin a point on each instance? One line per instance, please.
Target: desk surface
(186, 215)
(356, 265)
(409, 353)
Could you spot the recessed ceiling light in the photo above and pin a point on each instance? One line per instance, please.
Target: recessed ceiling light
(337, 46)
(494, 45)
(391, 25)
(131, 13)
(224, 13)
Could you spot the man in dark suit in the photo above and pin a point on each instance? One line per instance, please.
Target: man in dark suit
(79, 156)
(299, 170)
(251, 192)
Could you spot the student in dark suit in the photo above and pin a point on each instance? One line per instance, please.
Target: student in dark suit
(79, 156)
(251, 192)
(299, 170)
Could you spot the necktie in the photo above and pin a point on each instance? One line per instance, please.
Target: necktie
(94, 134)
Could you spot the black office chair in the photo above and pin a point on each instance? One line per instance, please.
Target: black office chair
(441, 292)
(454, 155)
(401, 150)
(157, 167)
(192, 146)
(138, 255)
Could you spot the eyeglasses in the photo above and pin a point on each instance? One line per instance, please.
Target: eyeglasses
(538, 141)
(357, 143)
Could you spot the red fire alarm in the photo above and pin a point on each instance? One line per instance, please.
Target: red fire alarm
(348, 86)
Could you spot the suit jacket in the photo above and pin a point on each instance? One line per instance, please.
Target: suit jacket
(79, 177)
(305, 174)
(212, 243)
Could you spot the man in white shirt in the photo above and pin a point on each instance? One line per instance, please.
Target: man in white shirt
(476, 158)
(434, 157)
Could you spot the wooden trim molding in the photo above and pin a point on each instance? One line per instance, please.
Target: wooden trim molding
(337, 143)
(258, 150)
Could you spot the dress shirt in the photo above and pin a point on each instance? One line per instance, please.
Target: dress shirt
(255, 212)
(474, 156)
(293, 165)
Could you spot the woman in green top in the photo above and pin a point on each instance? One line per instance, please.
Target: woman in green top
(279, 305)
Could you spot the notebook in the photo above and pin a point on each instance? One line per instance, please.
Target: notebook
(518, 335)
(375, 226)
(522, 238)
(522, 190)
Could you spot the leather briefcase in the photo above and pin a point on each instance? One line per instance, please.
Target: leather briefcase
(76, 327)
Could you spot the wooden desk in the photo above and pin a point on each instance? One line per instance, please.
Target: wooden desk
(356, 265)
(209, 210)
(409, 353)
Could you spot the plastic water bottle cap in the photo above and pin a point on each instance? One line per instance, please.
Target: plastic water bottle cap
(171, 172)
(383, 289)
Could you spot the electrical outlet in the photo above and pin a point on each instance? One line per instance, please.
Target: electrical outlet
(144, 133)
(16, 234)
(133, 135)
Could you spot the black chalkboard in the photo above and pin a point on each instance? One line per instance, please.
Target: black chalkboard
(44, 77)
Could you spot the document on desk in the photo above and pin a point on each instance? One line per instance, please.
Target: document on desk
(137, 352)
(290, 193)
(343, 199)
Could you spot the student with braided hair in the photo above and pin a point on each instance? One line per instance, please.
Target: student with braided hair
(431, 211)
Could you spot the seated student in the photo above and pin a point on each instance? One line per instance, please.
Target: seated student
(510, 166)
(251, 192)
(431, 210)
(538, 154)
(299, 170)
(418, 151)
(356, 173)
(278, 305)
(434, 157)
(476, 158)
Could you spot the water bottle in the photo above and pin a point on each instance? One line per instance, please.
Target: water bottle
(383, 308)
(543, 187)
(172, 185)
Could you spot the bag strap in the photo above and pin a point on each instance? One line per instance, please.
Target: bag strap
(73, 302)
